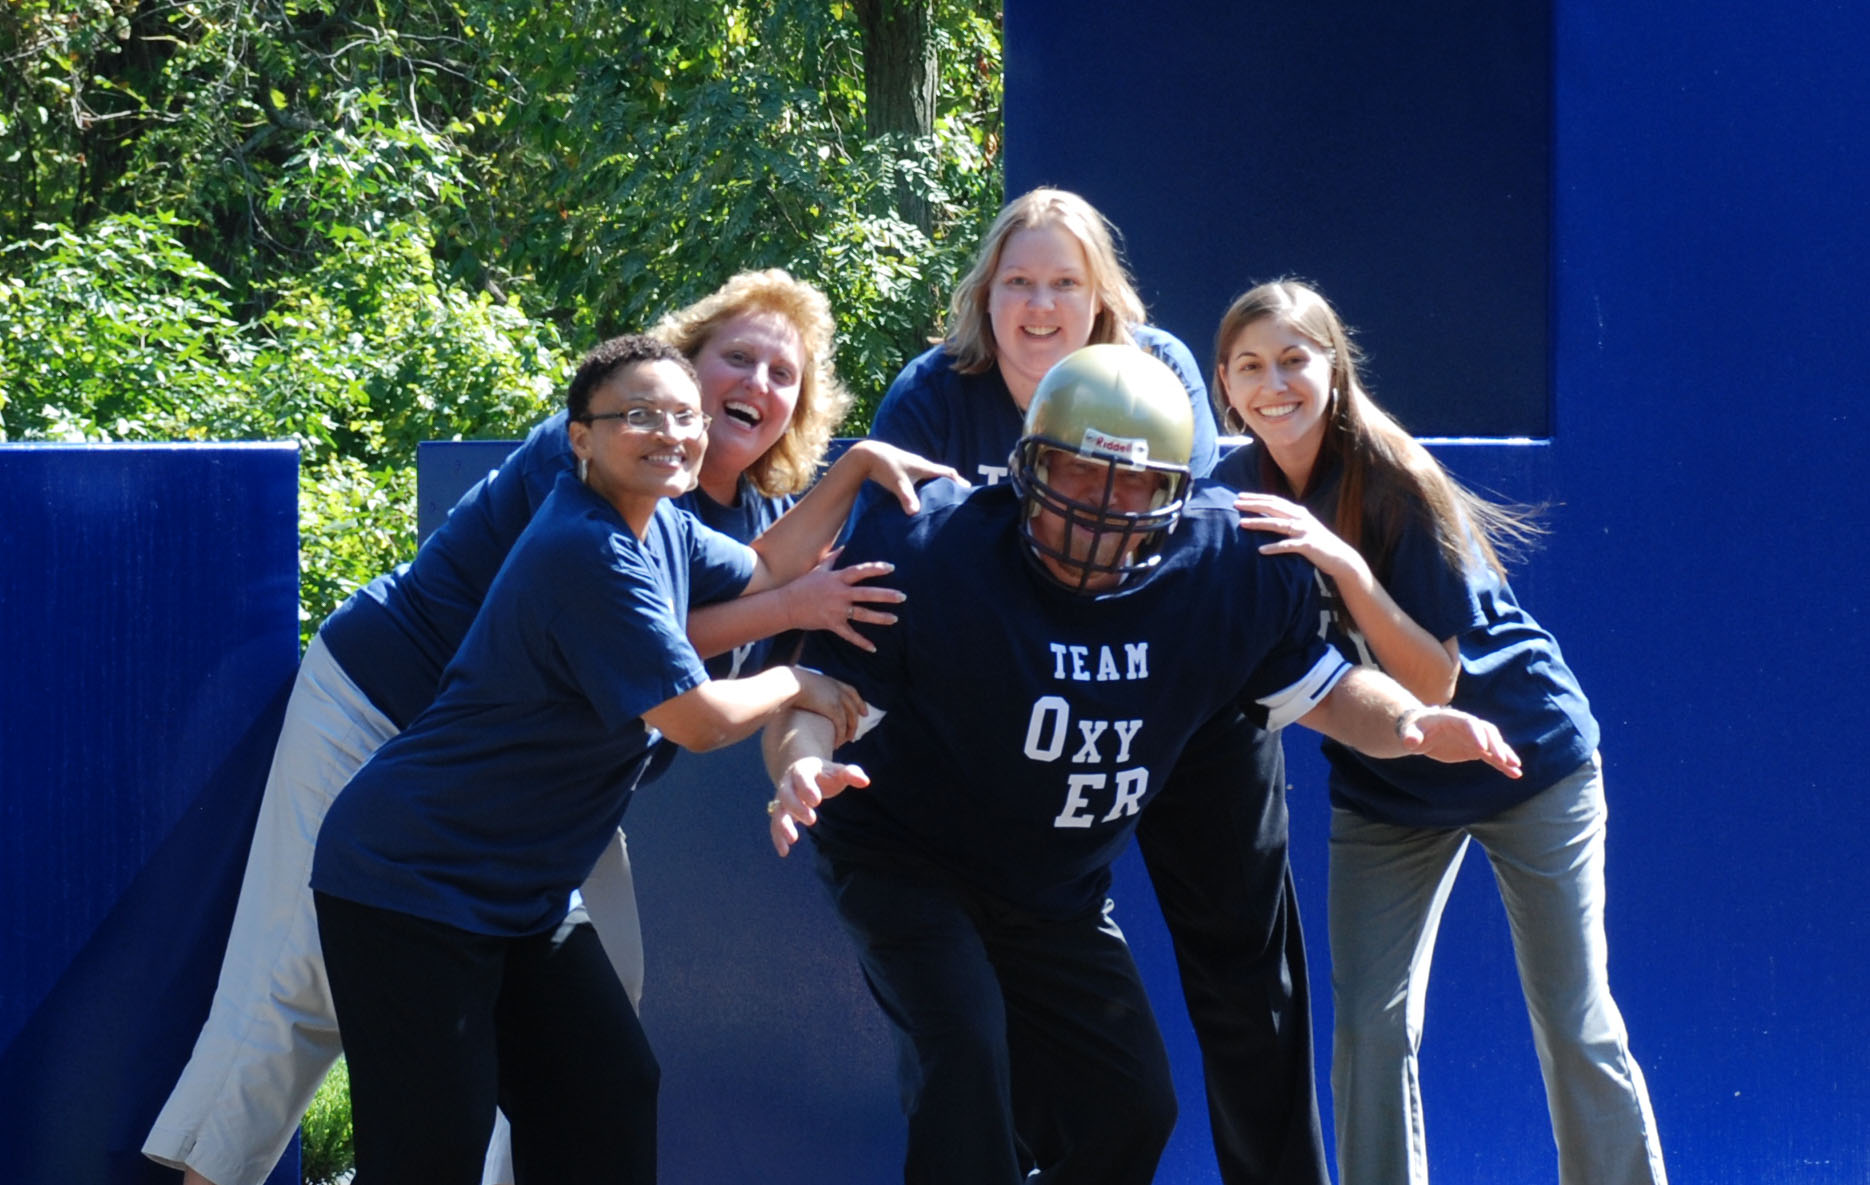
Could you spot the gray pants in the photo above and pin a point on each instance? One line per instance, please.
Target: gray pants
(1389, 885)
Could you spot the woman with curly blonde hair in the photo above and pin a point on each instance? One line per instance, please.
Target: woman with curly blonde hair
(763, 345)
(795, 442)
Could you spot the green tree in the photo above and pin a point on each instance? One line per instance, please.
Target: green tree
(357, 225)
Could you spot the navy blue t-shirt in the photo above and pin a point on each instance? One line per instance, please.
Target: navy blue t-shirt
(394, 635)
(970, 421)
(490, 808)
(1024, 726)
(1511, 674)
(746, 520)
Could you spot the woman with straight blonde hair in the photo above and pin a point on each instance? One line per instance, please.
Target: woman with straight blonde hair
(1409, 564)
(1048, 281)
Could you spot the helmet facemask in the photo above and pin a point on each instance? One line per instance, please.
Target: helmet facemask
(1137, 535)
(1114, 411)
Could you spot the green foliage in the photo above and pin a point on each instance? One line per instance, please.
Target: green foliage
(358, 225)
(327, 1150)
(118, 334)
(691, 147)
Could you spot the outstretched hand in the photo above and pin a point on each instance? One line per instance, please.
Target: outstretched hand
(1447, 734)
(806, 783)
(1304, 534)
(837, 599)
(899, 471)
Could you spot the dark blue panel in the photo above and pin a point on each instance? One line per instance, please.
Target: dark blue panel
(766, 1034)
(1397, 155)
(148, 615)
(1714, 170)
(1709, 175)
(445, 469)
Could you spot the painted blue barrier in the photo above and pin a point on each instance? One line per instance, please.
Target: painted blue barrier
(1705, 249)
(1398, 157)
(149, 627)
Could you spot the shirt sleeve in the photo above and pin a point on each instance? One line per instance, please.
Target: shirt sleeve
(719, 566)
(906, 417)
(877, 676)
(1297, 667)
(619, 636)
(1441, 599)
(1293, 701)
(547, 452)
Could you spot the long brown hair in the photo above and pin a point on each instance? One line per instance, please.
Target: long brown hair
(1387, 477)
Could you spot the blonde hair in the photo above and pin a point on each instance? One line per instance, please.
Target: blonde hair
(789, 466)
(1387, 477)
(970, 328)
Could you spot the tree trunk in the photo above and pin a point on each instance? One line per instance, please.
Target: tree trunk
(899, 79)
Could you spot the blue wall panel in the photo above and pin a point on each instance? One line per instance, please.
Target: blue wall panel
(149, 623)
(1714, 176)
(1709, 180)
(1398, 155)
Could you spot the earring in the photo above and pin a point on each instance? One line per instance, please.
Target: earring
(584, 470)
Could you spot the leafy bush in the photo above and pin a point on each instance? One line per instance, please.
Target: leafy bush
(116, 333)
(357, 226)
(327, 1150)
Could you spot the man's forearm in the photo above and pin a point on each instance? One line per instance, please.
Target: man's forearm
(794, 734)
(1364, 711)
(792, 546)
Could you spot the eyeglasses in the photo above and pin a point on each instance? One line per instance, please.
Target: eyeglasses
(681, 420)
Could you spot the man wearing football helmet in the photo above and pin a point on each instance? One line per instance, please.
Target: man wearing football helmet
(1018, 721)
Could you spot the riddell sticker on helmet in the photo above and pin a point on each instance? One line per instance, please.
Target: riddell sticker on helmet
(1117, 448)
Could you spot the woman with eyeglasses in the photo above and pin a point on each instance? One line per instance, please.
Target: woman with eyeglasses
(444, 870)
(375, 664)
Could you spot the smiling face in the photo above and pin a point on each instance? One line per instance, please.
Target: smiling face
(632, 468)
(1083, 549)
(750, 368)
(1040, 305)
(1278, 381)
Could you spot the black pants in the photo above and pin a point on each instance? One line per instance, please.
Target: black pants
(440, 1025)
(982, 995)
(1214, 841)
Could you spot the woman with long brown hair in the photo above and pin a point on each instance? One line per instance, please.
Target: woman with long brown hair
(1409, 561)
